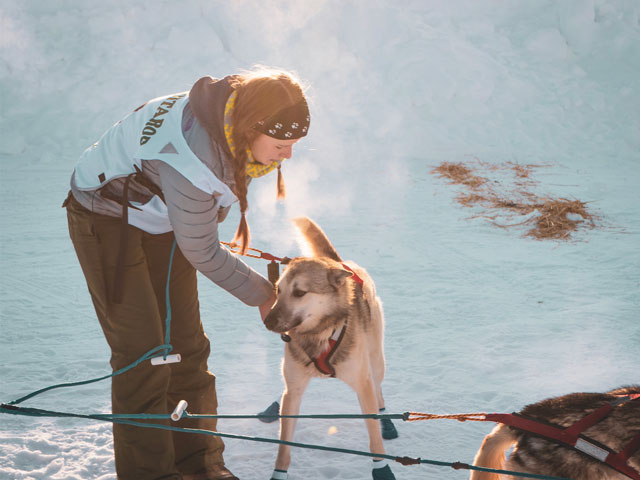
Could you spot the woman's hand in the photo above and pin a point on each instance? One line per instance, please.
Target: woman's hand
(265, 308)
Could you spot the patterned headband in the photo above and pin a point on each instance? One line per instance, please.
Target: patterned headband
(288, 124)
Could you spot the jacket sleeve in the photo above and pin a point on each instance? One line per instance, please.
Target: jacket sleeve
(194, 217)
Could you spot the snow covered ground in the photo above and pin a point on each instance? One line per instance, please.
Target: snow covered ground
(478, 318)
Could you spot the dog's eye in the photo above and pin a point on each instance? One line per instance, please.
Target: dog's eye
(298, 293)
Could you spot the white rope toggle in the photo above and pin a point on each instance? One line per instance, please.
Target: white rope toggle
(173, 358)
(179, 410)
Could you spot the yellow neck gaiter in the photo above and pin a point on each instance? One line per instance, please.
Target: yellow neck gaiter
(254, 169)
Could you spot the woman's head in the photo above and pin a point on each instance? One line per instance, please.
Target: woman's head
(269, 101)
(270, 115)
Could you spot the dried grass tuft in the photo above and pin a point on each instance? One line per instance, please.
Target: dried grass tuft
(554, 221)
(460, 174)
(556, 218)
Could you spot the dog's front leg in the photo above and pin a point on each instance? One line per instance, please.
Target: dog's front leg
(296, 382)
(291, 400)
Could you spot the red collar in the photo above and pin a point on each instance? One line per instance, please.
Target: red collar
(355, 276)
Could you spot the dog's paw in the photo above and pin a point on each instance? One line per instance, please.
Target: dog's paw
(389, 431)
(270, 414)
(383, 473)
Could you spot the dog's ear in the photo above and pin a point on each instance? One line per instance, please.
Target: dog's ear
(337, 276)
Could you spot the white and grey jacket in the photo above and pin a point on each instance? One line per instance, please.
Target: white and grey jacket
(185, 183)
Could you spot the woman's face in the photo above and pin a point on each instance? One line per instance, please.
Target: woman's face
(266, 149)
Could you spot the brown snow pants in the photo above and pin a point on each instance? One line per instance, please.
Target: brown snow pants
(136, 326)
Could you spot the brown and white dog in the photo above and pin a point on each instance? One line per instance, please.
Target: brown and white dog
(533, 454)
(332, 322)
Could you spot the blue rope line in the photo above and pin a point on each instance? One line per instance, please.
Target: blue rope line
(151, 353)
(404, 460)
(166, 348)
(165, 416)
(167, 321)
(374, 416)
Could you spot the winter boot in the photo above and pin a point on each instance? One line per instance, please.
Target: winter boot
(382, 471)
(271, 413)
(389, 431)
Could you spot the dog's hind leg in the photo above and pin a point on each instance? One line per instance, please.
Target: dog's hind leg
(389, 431)
(491, 453)
(368, 397)
(378, 367)
(375, 345)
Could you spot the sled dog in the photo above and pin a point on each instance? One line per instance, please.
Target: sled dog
(332, 323)
(537, 455)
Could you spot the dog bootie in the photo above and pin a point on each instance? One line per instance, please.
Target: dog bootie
(382, 471)
(389, 431)
(279, 475)
(271, 413)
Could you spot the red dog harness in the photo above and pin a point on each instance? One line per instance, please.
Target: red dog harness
(572, 435)
(322, 361)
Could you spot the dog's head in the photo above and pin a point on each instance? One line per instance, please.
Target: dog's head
(311, 296)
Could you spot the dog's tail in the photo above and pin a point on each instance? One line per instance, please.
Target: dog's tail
(317, 240)
(491, 452)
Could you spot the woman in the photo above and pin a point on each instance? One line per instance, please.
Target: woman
(171, 170)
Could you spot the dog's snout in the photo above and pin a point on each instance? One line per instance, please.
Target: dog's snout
(280, 321)
(271, 321)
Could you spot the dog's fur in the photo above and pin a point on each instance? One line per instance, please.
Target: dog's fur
(540, 456)
(315, 296)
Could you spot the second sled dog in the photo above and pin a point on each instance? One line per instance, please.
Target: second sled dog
(533, 454)
(332, 323)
